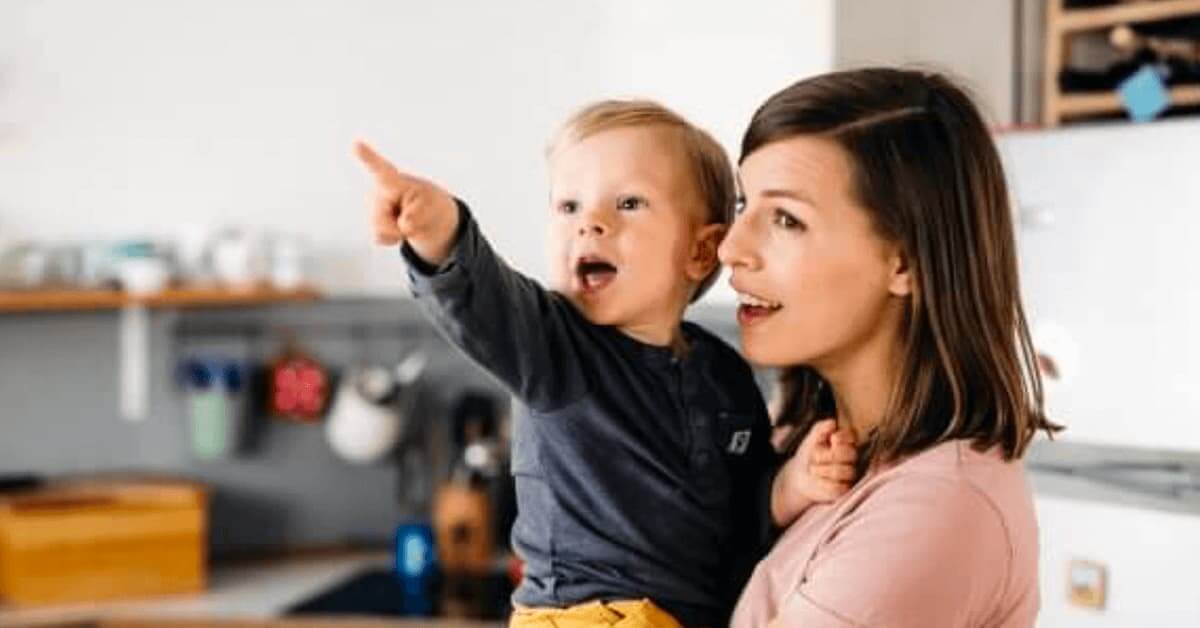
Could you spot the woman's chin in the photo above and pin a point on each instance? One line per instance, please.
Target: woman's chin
(762, 352)
(778, 351)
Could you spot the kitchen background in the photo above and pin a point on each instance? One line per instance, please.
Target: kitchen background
(216, 136)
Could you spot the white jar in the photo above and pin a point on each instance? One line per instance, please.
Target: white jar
(143, 276)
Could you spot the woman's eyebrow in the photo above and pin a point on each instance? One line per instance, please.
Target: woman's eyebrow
(794, 195)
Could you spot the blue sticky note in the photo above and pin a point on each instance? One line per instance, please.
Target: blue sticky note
(1144, 94)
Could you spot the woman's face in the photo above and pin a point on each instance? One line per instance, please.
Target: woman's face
(816, 283)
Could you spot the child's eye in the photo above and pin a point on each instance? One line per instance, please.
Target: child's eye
(568, 207)
(787, 221)
(630, 203)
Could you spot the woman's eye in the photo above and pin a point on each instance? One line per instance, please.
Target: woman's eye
(630, 203)
(787, 221)
(568, 207)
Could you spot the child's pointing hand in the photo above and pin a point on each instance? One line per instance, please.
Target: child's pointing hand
(409, 209)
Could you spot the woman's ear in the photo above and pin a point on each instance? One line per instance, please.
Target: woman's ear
(704, 251)
(900, 280)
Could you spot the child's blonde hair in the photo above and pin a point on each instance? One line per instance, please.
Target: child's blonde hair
(711, 169)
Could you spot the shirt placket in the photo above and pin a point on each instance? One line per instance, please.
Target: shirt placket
(699, 425)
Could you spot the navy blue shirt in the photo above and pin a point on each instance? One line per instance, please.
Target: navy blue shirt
(638, 474)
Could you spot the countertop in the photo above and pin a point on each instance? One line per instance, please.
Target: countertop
(249, 595)
(1125, 476)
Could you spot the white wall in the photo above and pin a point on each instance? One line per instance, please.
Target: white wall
(1110, 259)
(130, 117)
(1150, 557)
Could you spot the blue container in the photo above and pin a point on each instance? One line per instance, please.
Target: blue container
(416, 567)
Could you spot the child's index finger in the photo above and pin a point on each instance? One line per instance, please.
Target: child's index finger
(376, 163)
(843, 437)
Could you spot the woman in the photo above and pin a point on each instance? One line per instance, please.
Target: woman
(876, 259)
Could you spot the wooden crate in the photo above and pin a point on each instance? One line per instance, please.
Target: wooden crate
(93, 541)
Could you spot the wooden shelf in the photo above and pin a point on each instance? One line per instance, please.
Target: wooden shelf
(1074, 20)
(1063, 24)
(1074, 105)
(181, 297)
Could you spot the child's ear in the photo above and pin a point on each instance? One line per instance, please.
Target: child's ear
(704, 251)
(900, 282)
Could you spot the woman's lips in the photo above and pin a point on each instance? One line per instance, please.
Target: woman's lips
(748, 315)
(753, 309)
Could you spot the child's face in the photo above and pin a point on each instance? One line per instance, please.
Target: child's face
(627, 240)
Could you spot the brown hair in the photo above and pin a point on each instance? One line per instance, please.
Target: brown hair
(927, 172)
(709, 165)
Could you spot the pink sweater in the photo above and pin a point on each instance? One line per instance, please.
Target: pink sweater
(945, 538)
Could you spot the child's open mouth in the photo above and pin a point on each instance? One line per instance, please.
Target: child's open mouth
(594, 273)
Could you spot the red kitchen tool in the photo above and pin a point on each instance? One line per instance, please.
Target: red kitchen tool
(297, 386)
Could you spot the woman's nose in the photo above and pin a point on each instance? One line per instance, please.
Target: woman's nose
(738, 249)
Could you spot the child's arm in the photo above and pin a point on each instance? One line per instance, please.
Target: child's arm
(822, 469)
(505, 321)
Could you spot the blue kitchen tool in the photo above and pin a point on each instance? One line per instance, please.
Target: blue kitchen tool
(416, 567)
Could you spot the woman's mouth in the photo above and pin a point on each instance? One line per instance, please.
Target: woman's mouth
(594, 274)
(752, 309)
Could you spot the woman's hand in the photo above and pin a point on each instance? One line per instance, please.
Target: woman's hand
(409, 209)
(822, 470)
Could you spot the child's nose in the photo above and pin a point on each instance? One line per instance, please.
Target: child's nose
(591, 227)
(593, 223)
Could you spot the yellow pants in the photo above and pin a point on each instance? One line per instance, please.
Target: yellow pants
(623, 613)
